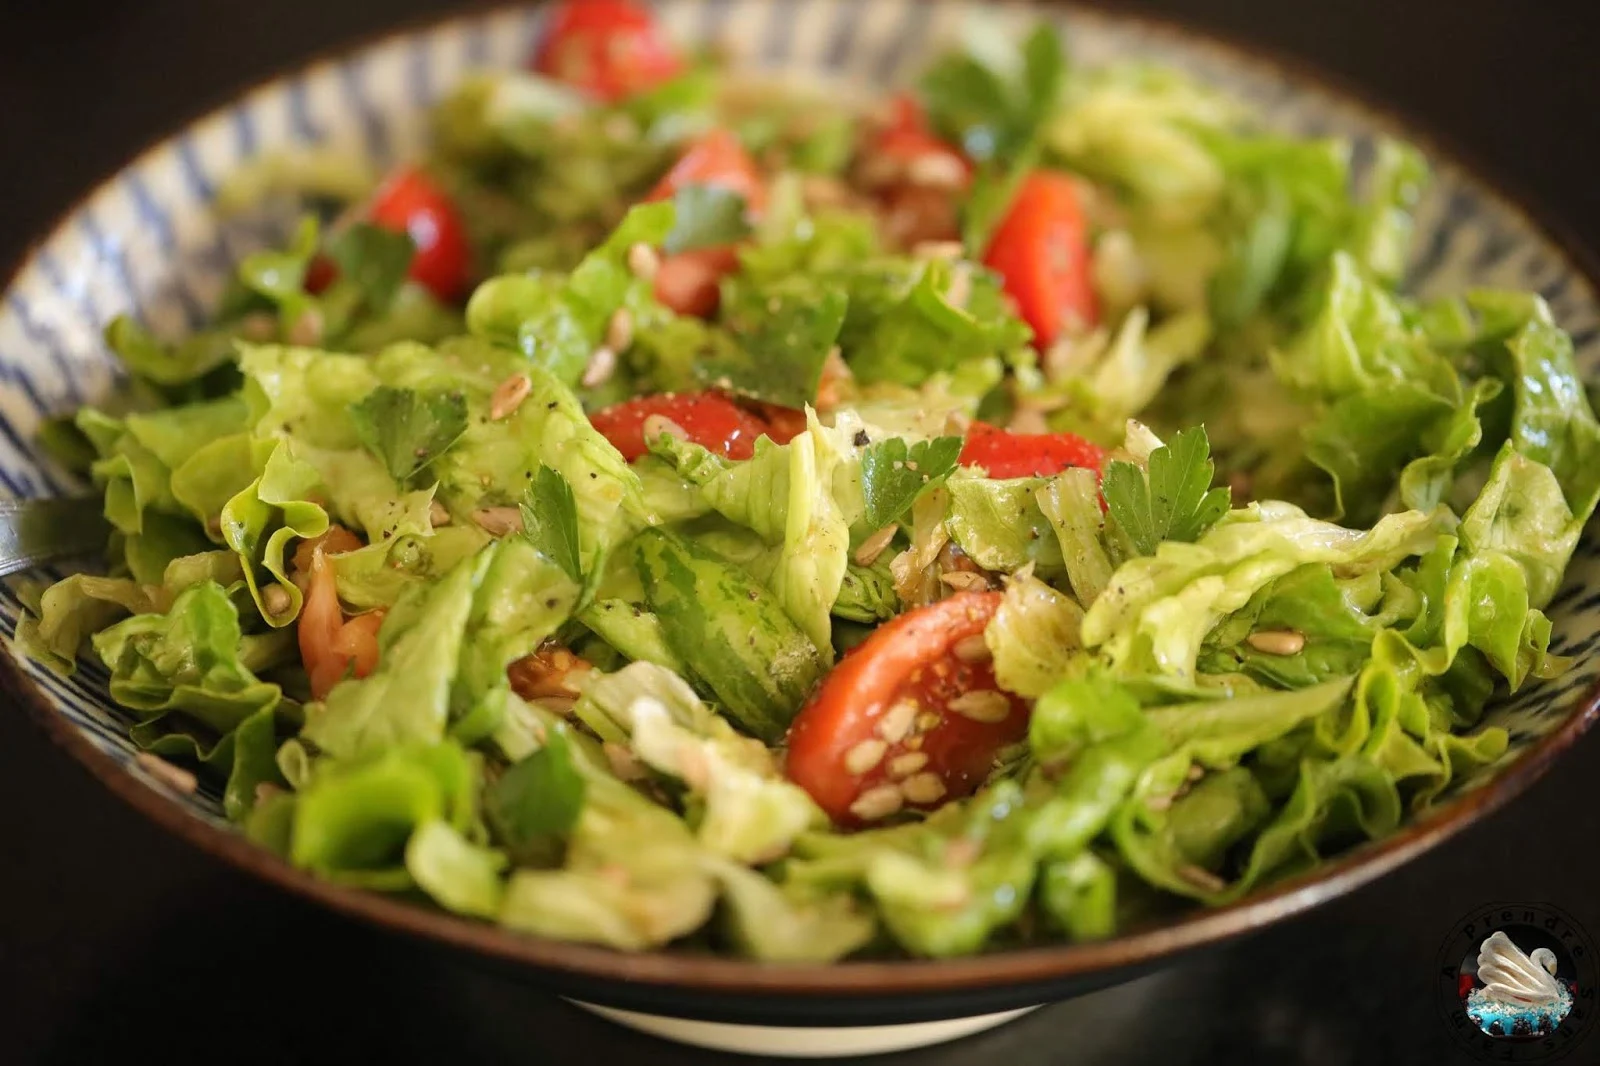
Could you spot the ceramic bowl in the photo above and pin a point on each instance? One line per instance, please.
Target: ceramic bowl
(148, 241)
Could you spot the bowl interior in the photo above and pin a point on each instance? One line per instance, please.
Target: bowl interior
(150, 242)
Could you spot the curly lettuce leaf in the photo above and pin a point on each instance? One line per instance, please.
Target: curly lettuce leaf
(1033, 636)
(406, 700)
(353, 820)
(1158, 609)
(998, 523)
(750, 813)
(783, 923)
(557, 322)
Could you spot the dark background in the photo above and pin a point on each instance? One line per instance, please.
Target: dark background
(117, 943)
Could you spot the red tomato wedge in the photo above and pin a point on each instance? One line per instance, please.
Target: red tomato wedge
(911, 717)
(1004, 454)
(409, 202)
(910, 143)
(715, 158)
(690, 283)
(784, 424)
(331, 647)
(320, 273)
(608, 48)
(1041, 250)
(709, 419)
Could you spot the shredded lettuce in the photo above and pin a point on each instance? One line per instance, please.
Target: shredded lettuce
(1277, 620)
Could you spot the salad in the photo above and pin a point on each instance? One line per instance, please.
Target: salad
(681, 509)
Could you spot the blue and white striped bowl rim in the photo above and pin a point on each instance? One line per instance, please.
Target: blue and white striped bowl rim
(148, 242)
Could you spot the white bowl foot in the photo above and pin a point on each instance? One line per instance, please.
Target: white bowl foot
(803, 1041)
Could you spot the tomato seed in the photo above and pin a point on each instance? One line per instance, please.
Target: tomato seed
(438, 514)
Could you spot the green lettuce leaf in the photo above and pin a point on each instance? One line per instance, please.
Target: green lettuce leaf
(779, 923)
(1033, 636)
(353, 821)
(749, 812)
(1158, 609)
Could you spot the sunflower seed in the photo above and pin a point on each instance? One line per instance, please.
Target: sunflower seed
(508, 396)
(896, 721)
(874, 545)
(983, 705)
(619, 331)
(1201, 878)
(964, 580)
(923, 788)
(275, 598)
(498, 521)
(660, 425)
(907, 764)
(643, 262)
(865, 756)
(875, 803)
(602, 364)
(973, 649)
(936, 170)
(1277, 641)
(623, 762)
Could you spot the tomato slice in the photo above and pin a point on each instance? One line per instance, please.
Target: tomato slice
(690, 283)
(909, 138)
(1041, 250)
(409, 202)
(1004, 454)
(715, 158)
(709, 419)
(784, 424)
(331, 647)
(608, 48)
(320, 273)
(911, 716)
